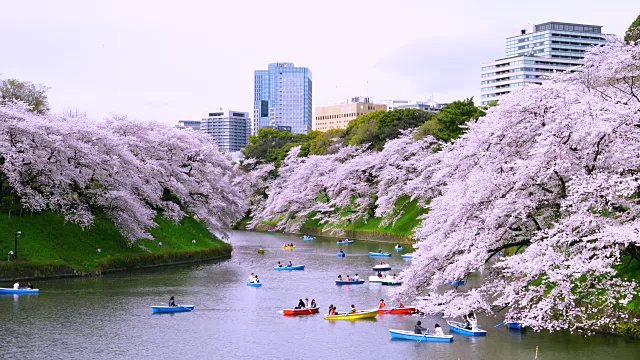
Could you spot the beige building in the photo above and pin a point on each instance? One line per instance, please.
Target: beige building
(338, 116)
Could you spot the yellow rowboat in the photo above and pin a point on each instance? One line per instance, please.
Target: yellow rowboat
(289, 247)
(365, 314)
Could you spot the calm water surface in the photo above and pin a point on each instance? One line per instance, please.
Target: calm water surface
(110, 316)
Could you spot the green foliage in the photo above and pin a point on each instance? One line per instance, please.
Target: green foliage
(47, 238)
(633, 33)
(449, 123)
(272, 145)
(35, 96)
(379, 126)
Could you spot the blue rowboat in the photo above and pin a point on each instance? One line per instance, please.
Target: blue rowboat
(515, 326)
(294, 267)
(459, 328)
(308, 238)
(410, 335)
(171, 309)
(407, 256)
(341, 254)
(391, 283)
(254, 284)
(271, 230)
(359, 282)
(18, 291)
(455, 283)
(379, 254)
(347, 241)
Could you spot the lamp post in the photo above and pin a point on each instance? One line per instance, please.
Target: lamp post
(15, 245)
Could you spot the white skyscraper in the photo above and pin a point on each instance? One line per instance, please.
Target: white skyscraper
(229, 129)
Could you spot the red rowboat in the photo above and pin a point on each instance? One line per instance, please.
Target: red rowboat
(307, 311)
(397, 310)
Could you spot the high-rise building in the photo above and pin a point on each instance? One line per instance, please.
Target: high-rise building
(189, 124)
(229, 129)
(338, 116)
(536, 51)
(283, 97)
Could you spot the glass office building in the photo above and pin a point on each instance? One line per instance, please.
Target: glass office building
(283, 98)
(535, 52)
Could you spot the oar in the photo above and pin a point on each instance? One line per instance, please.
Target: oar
(502, 323)
(186, 308)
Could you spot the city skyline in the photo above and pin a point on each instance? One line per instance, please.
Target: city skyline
(165, 62)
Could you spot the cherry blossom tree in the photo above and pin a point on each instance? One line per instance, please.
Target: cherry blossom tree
(125, 169)
(549, 176)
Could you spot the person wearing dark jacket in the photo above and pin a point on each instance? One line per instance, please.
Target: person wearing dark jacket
(172, 301)
(419, 329)
(301, 304)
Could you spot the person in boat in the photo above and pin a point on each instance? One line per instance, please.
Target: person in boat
(347, 279)
(29, 285)
(419, 329)
(341, 252)
(381, 262)
(279, 264)
(313, 303)
(339, 277)
(289, 264)
(300, 304)
(172, 302)
(438, 330)
(252, 278)
(382, 304)
(380, 274)
(471, 323)
(260, 247)
(379, 251)
(257, 281)
(332, 310)
(16, 285)
(398, 246)
(356, 278)
(400, 304)
(353, 309)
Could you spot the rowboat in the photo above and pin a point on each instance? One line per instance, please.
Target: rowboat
(398, 310)
(407, 256)
(294, 267)
(171, 309)
(379, 254)
(308, 238)
(365, 314)
(345, 241)
(254, 284)
(375, 279)
(391, 283)
(455, 283)
(307, 311)
(352, 282)
(382, 267)
(461, 329)
(289, 247)
(18, 291)
(515, 326)
(271, 230)
(410, 335)
(341, 254)
(260, 251)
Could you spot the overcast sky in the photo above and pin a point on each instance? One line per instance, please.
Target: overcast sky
(170, 60)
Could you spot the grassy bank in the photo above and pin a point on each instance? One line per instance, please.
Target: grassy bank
(47, 245)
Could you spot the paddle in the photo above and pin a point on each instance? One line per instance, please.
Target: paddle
(502, 323)
(186, 308)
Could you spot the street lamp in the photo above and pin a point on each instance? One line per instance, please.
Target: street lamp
(15, 244)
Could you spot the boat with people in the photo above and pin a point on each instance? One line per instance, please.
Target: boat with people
(398, 310)
(407, 256)
(455, 283)
(365, 314)
(514, 326)
(341, 254)
(398, 247)
(288, 247)
(253, 284)
(171, 309)
(271, 230)
(379, 254)
(426, 337)
(308, 238)
(350, 282)
(391, 283)
(18, 291)
(378, 279)
(304, 311)
(463, 329)
(345, 241)
(382, 267)
(292, 267)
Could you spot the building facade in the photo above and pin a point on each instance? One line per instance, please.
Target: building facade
(428, 106)
(283, 97)
(534, 52)
(229, 129)
(189, 124)
(394, 104)
(339, 116)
